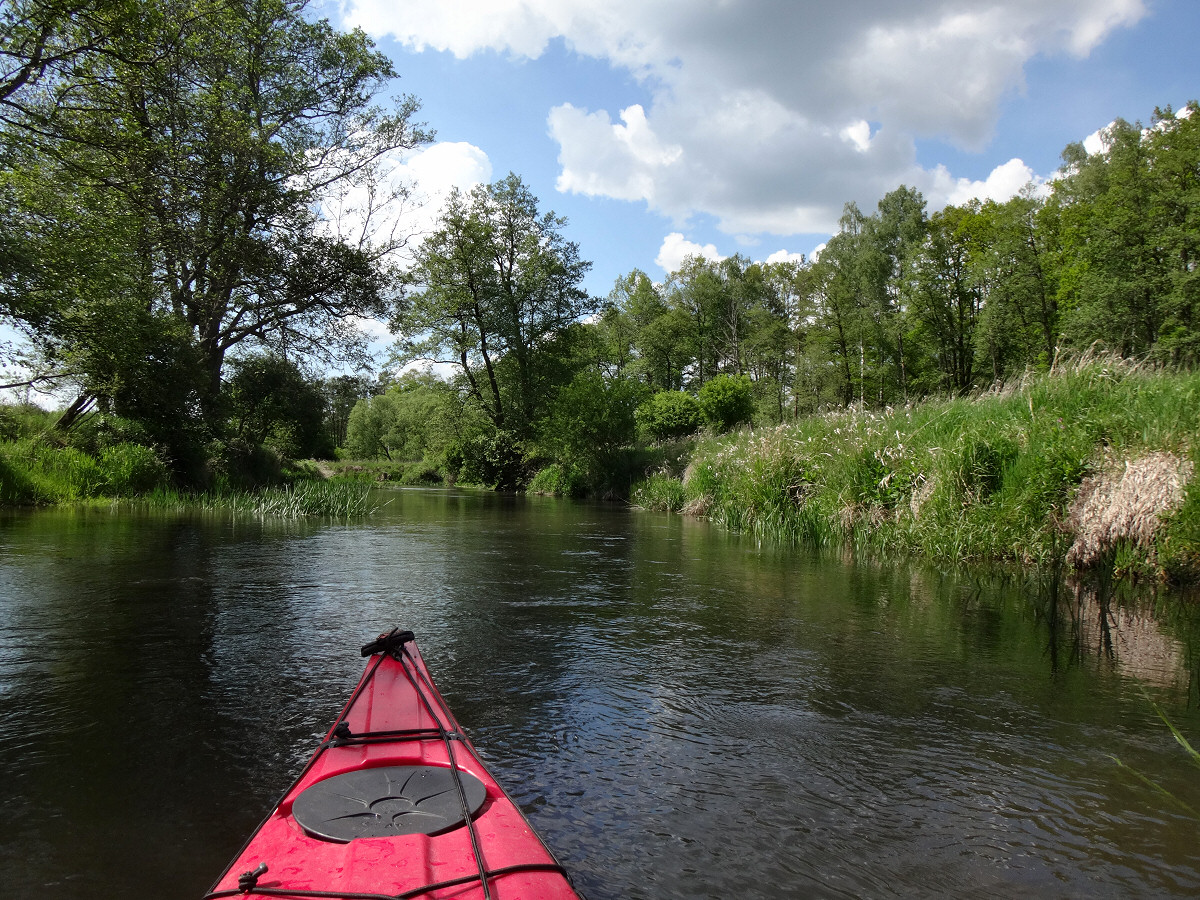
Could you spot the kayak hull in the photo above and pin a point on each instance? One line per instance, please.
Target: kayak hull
(396, 722)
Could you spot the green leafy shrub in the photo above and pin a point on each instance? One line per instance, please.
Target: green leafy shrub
(727, 401)
(559, 480)
(421, 472)
(670, 414)
(495, 460)
(661, 492)
(21, 420)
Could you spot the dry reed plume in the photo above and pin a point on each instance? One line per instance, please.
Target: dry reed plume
(1125, 505)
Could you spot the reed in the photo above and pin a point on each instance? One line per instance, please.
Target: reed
(305, 499)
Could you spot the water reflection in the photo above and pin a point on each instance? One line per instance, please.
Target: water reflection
(683, 712)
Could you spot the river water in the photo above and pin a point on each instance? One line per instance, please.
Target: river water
(680, 711)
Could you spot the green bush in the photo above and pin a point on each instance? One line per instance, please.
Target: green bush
(21, 420)
(670, 414)
(421, 472)
(727, 401)
(239, 465)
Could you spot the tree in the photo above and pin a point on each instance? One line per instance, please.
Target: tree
(189, 167)
(497, 285)
(368, 425)
(271, 401)
(592, 419)
(416, 415)
(340, 393)
(1013, 265)
(41, 36)
(662, 335)
(1115, 272)
(893, 238)
(841, 313)
(1175, 145)
(946, 300)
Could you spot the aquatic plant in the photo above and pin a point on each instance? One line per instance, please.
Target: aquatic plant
(324, 499)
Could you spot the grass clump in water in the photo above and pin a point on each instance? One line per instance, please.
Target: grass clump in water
(325, 499)
(661, 492)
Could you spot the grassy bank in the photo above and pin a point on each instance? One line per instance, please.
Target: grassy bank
(41, 468)
(1090, 466)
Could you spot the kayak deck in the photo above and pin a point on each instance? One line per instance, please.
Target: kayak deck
(395, 803)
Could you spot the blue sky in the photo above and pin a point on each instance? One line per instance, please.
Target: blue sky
(663, 126)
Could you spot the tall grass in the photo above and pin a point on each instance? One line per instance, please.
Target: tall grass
(991, 477)
(33, 471)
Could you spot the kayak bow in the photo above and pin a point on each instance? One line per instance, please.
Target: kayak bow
(395, 803)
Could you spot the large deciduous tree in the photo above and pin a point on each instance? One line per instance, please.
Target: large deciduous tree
(498, 286)
(185, 168)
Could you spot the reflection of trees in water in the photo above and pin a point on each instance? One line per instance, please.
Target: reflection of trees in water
(1136, 636)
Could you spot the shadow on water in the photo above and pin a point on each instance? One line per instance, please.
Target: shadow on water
(682, 712)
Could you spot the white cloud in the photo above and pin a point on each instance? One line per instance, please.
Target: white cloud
(599, 158)
(443, 165)
(436, 170)
(760, 108)
(676, 248)
(1004, 182)
(422, 178)
(425, 177)
(780, 256)
(858, 134)
(1094, 142)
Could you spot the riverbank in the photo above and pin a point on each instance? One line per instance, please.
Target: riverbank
(37, 470)
(1089, 467)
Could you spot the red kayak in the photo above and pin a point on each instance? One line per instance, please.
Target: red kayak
(395, 803)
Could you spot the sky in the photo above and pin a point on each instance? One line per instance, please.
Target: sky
(662, 128)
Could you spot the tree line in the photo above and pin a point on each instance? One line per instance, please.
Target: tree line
(195, 213)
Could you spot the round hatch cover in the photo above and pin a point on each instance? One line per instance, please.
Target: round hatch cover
(386, 802)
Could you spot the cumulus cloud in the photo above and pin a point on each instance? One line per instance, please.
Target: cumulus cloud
(438, 169)
(402, 206)
(408, 195)
(782, 256)
(676, 248)
(1094, 142)
(599, 158)
(769, 114)
(1004, 182)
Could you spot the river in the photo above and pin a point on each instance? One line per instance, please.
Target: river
(681, 712)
